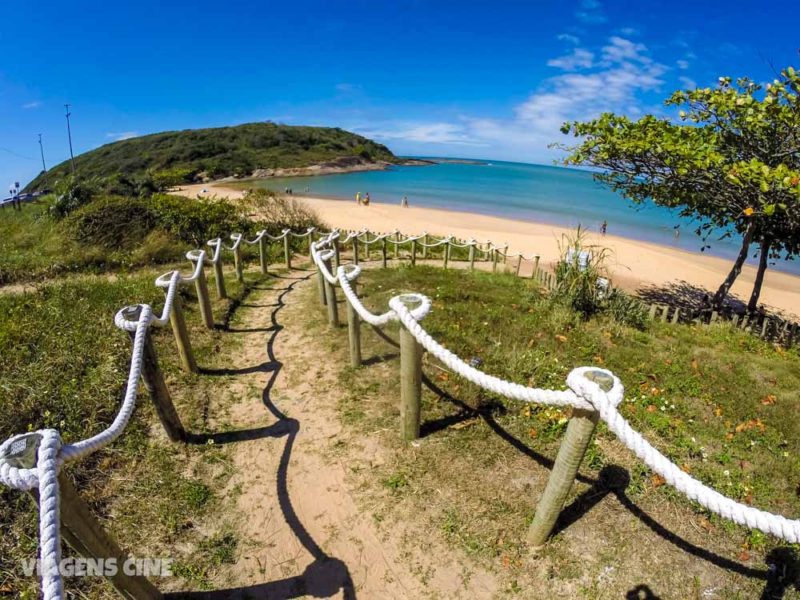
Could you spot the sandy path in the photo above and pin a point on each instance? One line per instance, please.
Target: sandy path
(302, 532)
(634, 264)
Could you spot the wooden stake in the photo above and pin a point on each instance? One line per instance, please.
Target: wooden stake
(330, 298)
(397, 245)
(237, 263)
(677, 315)
(355, 250)
(354, 331)
(203, 300)
(287, 253)
(472, 256)
(410, 385)
(446, 257)
(494, 260)
(321, 287)
(535, 271)
(383, 253)
(519, 264)
(86, 535)
(337, 259)
(219, 279)
(182, 336)
(262, 254)
(425, 247)
(413, 253)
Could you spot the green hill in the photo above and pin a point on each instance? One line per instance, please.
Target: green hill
(192, 154)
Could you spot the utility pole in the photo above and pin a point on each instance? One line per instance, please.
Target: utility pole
(69, 135)
(41, 150)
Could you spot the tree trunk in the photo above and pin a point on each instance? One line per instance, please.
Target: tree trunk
(762, 268)
(722, 292)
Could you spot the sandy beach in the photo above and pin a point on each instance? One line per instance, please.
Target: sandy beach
(633, 264)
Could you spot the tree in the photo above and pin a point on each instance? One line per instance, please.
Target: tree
(733, 163)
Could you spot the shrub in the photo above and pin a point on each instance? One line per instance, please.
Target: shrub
(71, 193)
(276, 212)
(197, 221)
(112, 222)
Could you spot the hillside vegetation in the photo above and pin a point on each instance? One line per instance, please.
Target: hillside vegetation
(184, 156)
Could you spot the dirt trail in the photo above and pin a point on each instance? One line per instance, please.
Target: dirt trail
(302, 532)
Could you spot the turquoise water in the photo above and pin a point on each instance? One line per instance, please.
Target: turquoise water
(566, 197)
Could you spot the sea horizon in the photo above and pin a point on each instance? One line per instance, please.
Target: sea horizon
(551, 194)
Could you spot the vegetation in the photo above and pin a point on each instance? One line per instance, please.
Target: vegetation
(141, 165)
(112, 232)
(734, 165)
(715, 400)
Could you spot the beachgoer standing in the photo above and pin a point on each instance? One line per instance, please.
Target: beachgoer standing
(358, 198)
(604, 227)
(366, 199)
(404, 202)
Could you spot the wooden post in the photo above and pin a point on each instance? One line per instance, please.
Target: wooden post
(677, 315)
(396, 245)
(287, 253)
(735, 321)
(576, 440)
(472, 256)
(764, 328)
(413, 253)
(182, 335)
(85, 534)
(745, 321)
(383, 253)
(652, 313)
(714, 316)
(355, 250)
(519, 264)
(237, 263)
(664, 313)
(262, 254)
(201, 285)
(337, 259)
(535, 271)
(446, 257)
(321, 286)
(219, 278)
(505, 258)
(494, 260)
(410, 385)
(330, 298)
(156, 387)
(354, 331)
(425, 247)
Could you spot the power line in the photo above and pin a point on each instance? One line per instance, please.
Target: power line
(69, 135)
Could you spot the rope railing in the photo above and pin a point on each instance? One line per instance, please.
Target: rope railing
(33, 460)
(593, 393)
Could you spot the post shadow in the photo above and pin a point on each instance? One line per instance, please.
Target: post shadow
(326, 575)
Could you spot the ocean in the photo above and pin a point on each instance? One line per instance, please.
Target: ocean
(556, 195)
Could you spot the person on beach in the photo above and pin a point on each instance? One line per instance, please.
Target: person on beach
(358, 198)
(366, 199)
(604, 227)
(404, 202)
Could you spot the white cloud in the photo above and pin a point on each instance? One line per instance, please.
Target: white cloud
(629, 31)
(29, 105)
(569, 38)
(579, 58)
(427, 133)
(687, 82)
(590, 12)
(620, 50)
(123, 135)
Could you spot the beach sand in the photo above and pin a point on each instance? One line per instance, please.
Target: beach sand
(633, 264)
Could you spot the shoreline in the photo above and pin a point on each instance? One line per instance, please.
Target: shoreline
(633, 264)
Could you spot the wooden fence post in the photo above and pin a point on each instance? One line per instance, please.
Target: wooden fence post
(383, 252)
(86, 535)
(576, 440)
(494, 260)
(519, 264)
(425, 247)
(330, 298)
(219, 278)
(665, 312)
(201, 286)
(410, 384)
(764, 328)
(413, 252)
(237, 263)
(355, 250)
(182, 335)
(472, 256)
(337, 259)
(396, 245)
(262, 254)
(652, 312)
(446, 257)
(287, 253)
(535, 271)
(156, 387)
(677, 315)
(321, 286)
(354, 331)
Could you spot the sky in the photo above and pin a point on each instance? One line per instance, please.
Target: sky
(468, 79)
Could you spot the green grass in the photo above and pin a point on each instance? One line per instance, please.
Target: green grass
(63, 364)
(717, 401)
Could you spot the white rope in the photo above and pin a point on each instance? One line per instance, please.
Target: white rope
(583, 394)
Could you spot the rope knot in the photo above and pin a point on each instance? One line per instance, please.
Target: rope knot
(23, 456)
(596, 386)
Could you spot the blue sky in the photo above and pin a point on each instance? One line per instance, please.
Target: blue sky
(471, 79)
